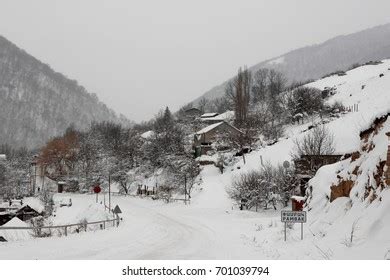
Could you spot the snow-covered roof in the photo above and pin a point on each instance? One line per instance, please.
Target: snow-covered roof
(15, 234)
(208, 115)
(208, 128)
(34, 203)
(147, 134)
(221, 117)
(213, 126)
(3, 157)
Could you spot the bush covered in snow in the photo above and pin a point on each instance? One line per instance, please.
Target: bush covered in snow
(260, 188)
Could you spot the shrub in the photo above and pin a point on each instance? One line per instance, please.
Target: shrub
(319, 141)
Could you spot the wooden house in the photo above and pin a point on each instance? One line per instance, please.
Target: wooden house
(209, 135)
(26, 213)
(192, 114)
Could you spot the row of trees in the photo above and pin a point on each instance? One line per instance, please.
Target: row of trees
(107, 151)
(15, 171)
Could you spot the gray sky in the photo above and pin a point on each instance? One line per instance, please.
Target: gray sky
(140, 56)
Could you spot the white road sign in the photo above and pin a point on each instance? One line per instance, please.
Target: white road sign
(293, 216)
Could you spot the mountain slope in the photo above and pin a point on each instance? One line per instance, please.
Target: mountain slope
(37, 103)
(315, 61)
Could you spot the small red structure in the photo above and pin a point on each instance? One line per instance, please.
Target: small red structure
(297, 203)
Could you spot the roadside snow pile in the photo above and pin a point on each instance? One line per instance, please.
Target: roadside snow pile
(13, 234)
(79, 212)
(349, 202)
(93, 213)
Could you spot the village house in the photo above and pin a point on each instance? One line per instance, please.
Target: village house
(207, 136)
(17, 209)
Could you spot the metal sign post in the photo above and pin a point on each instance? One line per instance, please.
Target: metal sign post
(293, 217)
(97, 189)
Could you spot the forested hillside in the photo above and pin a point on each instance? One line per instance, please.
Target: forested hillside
(37, 103)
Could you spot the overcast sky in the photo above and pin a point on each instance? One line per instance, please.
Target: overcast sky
(140, 56)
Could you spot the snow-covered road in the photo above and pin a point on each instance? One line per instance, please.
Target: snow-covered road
(206, 229)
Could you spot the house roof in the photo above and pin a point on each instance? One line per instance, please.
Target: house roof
(16, 234)
(26, 208)
(209, 115)
(208, 128)
(192, 109)
(147, 134)
(221, 117)
(215, 125)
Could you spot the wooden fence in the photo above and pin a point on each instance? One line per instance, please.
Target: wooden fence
(102, 223)
(151, 196)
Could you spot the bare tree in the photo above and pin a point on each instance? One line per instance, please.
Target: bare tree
(221, 105)
(260, 85)
(238, 92)
(203, 104)
(276, 82)
(319, 141)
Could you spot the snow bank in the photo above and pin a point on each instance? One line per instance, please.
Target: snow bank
(87, 210)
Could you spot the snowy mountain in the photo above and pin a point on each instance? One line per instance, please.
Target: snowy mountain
(37, 103)
(315, 61)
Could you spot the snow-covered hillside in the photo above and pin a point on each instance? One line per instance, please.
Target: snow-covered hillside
(315, 61)
(373, 100)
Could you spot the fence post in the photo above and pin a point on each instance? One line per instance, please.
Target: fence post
(104, 225)
(66, 231)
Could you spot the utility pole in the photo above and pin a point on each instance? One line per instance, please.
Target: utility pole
(185, 189)
(43, 177)
(109, 191)
(35, 176)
